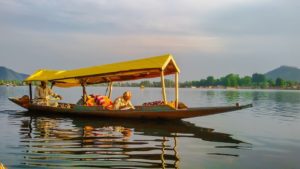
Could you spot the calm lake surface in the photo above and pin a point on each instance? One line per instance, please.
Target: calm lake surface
(264, 136)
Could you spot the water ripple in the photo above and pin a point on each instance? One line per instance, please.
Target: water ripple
(45, 142)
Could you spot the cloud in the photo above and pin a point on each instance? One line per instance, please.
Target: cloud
(119, 16)
(279, 17)
(207, 37)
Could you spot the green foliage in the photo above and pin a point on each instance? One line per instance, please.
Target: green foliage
(210, 80)
(258, 79)
(280, 82)
(245, 81)
(230, 80)
(11, 82)
(233, 80)
(169, 83)
(146, 83)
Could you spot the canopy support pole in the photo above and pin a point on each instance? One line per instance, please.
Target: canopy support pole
(52, 85)
(30, 92)
(84, 96)
(163, 85)
(176, 90)
(110, 89)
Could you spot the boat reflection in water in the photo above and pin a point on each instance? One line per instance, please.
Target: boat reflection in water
(50, 141)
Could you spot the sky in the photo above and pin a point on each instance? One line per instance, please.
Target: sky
(206, 37)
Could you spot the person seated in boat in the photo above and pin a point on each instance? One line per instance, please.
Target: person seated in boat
(104, 101)
(123, 102)
(90, 101)
(43, 94)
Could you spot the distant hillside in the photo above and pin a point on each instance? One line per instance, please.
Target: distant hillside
(284, 72)
(8, 74)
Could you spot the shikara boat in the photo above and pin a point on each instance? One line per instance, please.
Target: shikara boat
(152, 67)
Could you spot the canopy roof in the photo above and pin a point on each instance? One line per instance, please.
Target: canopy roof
(131, 70)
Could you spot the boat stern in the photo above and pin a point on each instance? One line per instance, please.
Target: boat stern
(22, 101)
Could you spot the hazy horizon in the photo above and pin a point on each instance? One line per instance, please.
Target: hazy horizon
(170, 76)
(205, 37)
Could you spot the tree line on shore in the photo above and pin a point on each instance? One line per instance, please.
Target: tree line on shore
(12, 82)
(234, 80)
(231, 80)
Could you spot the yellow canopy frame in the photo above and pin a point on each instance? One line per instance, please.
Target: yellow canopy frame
(151, 67)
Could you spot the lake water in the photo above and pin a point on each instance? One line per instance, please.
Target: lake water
(264, 136)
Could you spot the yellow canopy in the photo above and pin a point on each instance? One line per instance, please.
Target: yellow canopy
(122, 71)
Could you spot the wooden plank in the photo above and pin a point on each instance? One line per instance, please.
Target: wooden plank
(163, 85)
(30, 92)
(176, 90)
(110, 89)
(84, 94)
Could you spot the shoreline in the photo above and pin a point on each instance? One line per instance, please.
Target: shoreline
(247, 88)
(223, 88)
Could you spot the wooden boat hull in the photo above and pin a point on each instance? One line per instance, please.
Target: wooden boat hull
(147, 112)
